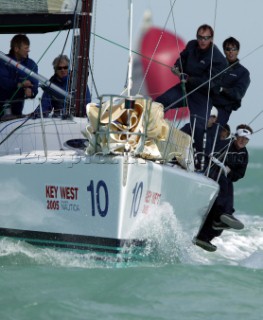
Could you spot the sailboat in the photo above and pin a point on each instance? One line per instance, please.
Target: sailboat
(82, 182)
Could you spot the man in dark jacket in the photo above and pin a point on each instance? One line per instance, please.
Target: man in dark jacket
(221, 215)
(198, 63)
(54, 103)
(235, 82)
(15, 85)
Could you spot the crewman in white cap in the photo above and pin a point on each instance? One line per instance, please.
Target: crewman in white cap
(221, 215)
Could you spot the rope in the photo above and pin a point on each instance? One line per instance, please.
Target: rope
(15, 129)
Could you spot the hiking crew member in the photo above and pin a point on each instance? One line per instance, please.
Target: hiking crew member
(221, 215)
(199, 61)
(234, 83)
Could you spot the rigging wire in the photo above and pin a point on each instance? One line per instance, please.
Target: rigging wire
(130, 29)
(93, 80)
(11, 99)
(255, 117)
(211, 66)
(133, 51)
(41, 57)
(70, 82)
(173, 124)
(168, 66)
(185, 101)
(91, 66)
(156, 47)
(208, 92)
(67, 86)
(257, 131)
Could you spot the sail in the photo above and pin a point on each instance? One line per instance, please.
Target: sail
(37, 16)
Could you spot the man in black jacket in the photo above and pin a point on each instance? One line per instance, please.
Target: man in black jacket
(198, 63)
(221, 215)
(234, 83)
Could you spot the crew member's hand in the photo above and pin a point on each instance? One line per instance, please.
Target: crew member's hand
(217, 89)
(28, 92)
(184, 77)
(27, 83)
(175, 70)
(228, 169)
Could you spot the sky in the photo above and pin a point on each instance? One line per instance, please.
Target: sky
(241, 19)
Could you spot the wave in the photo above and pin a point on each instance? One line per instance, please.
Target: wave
(167, 244)
(254, 261)
(235, 247)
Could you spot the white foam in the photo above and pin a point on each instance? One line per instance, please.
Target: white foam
(19, 252)
(167, 241)
(168, 244)
(236, 246)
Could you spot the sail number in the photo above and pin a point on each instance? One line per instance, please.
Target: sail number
(136, 199)
(99, 198)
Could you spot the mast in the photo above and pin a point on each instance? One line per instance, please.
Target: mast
(82, 58)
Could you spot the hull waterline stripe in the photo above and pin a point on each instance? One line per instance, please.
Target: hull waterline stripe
(68, 241)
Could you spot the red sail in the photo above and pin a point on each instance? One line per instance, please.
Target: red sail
(159, 77)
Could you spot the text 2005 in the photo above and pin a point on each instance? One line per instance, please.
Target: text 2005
(52, 204)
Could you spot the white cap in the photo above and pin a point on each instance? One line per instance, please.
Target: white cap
(214, 112)
(243, 133)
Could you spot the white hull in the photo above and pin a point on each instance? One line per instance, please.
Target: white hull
(72, 200)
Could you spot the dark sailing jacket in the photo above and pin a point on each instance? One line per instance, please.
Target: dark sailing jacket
(234, 83)
(54, 101)
(196, 63)
(51, 100)
(9, 79)
(236, 160)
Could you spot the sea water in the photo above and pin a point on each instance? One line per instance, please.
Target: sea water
(177, 280)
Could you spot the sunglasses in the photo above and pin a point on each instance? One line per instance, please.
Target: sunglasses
(62, 68)
(230, 49)
(203, 37)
